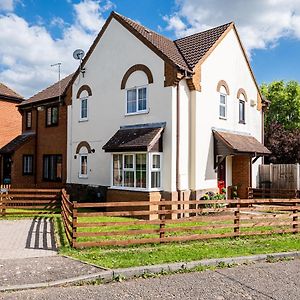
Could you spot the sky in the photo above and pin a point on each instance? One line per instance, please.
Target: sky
(35, 34)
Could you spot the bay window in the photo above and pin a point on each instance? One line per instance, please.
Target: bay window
(137, 170)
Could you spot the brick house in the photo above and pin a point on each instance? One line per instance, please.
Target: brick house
(10, 125)
(39, 153)
(164, 118)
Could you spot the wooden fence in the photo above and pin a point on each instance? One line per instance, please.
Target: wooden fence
(29, 201)
(279, 176)
(108, 224)
(272, 193)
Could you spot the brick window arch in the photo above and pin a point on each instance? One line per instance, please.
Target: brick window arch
(223, 83)
(138, 67)
(240, 92)
(82, 89)
(83, 144)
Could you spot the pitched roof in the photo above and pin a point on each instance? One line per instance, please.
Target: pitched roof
(17, 142)
(9, 93)
(194, 47)
(134, 138)
(238, 143)
(164, 45)
(50, 92)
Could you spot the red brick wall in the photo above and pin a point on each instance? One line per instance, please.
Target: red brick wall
(241, 174)
(50, 140)
(10, 122)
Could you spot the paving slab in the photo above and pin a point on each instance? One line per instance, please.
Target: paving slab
(27, 238)
(24, 271)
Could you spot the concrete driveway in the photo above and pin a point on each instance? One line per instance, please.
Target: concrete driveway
(27, 238)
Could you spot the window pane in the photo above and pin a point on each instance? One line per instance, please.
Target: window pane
(222, 111)
(131, 101)
(48, 112)
(129, 178)
(28, 119)
(54, 115)
(58, 167)
(27, 164)
(84, 108)
(128, 161)
(142, 100)
(52, 167)
(222, 99)
(242, 111)
(117, 169)
(83, 165)
(155, 179)
(141, 167)
(46, 163)
(156, 161)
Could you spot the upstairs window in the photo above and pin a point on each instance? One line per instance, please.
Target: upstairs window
(28, 119)
(223, 106)
(52, 116)
(83, 109)
(27, 164)
(136, 100)
(241, 111)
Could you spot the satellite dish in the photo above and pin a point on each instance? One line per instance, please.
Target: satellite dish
(78, 54)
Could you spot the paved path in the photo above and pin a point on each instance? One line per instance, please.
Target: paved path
(261, 281)
(27, 238)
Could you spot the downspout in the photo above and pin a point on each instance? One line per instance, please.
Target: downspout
(36, 146)
(178, 141)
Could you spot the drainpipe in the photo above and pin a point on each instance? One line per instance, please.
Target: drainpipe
(178, 141)
(36, 146)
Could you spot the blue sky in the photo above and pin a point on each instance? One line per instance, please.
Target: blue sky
(36, 33)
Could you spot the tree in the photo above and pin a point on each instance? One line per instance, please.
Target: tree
(285, 103)
(282, 122)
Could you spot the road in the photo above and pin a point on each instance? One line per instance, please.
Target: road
(276, 280)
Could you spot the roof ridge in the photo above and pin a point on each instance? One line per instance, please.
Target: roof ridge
(213, 28)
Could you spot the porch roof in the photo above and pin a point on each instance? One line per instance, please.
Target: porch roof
(228, 143)
(17, 142)
(145, 137)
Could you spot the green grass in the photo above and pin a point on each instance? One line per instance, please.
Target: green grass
(149, 254)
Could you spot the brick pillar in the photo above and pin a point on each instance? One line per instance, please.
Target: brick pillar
(241, 174)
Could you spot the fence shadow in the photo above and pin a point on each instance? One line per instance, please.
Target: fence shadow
(41, 234)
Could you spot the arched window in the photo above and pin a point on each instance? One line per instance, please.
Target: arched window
(223, 90)
(83, 93)
(136, 81)
(242, 98)
(83, 149)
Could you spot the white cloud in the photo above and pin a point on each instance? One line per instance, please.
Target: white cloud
(27, 51)
(6, 5)
(261, 23)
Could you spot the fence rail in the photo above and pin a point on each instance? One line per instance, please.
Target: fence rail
(29, 202)
(108, 224)
(272, 193)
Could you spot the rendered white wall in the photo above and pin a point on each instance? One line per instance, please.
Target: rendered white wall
(116, 52)
(227, 63)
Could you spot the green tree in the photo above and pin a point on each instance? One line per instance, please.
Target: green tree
(285, 104)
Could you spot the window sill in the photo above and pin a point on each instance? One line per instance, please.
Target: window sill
(222, 118)
(242, 122)
(137, 113)
(133, 189)
(83, 177)
(82, 120)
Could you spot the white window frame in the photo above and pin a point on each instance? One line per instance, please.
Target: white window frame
(137, 112)
(223, 105)
(81, 119)
(80, 175)
(149, 158)
(243, 121)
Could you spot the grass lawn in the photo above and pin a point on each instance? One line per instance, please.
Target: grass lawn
(122, 257)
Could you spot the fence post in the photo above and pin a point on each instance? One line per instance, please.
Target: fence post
(74, 223)
(295, 218)
(162, 221)
(237, 218)
(3, 199)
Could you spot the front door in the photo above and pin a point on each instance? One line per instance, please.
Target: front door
(222, 171)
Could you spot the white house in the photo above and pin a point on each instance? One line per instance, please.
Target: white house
(153, 118)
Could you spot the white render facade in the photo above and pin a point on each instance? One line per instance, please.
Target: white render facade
(187, 156)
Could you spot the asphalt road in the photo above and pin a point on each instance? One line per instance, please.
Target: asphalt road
(280, 280)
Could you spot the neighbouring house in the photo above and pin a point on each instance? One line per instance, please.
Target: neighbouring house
(39, 154)
(151, 117)
(10, 126)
